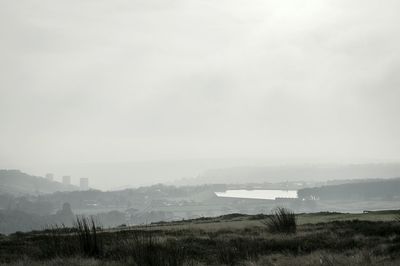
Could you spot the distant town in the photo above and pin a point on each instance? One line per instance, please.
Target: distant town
(66, 180)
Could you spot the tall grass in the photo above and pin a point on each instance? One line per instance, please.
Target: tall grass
(86, 230)
(282, 220)
(81, 239)
(147, 249)
(57, 241)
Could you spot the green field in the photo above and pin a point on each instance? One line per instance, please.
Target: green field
(321, 239)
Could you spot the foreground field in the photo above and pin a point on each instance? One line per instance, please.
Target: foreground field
(321, 239)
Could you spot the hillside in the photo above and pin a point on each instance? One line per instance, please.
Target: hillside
(235, 239)
(15, 182)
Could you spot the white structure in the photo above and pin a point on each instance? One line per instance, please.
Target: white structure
(84, 183)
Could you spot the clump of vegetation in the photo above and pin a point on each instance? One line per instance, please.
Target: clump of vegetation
(89, 240)
(61, 241)
(282, 220)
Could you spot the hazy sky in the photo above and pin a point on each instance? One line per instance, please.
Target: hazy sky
(122, 81)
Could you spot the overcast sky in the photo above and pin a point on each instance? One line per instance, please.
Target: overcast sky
(124, 81)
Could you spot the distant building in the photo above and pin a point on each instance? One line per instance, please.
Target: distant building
(50, 177)
(66, 180)
(84, 183)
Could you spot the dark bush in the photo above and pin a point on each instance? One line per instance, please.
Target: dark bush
(282, 220)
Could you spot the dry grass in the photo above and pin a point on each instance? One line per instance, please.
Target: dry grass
(321, 258)
(76, 261)
(246, 243)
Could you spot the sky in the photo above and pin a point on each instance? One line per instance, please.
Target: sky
(90, 83)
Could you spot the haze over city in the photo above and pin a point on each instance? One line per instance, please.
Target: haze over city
(199, 132)
(143, 92)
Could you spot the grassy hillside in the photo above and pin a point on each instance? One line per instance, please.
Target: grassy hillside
(321, 239)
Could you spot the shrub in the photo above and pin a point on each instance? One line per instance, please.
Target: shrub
(282, 220)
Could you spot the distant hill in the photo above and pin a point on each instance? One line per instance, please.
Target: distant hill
(15, 182)
(316, 173)
(386, 189)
